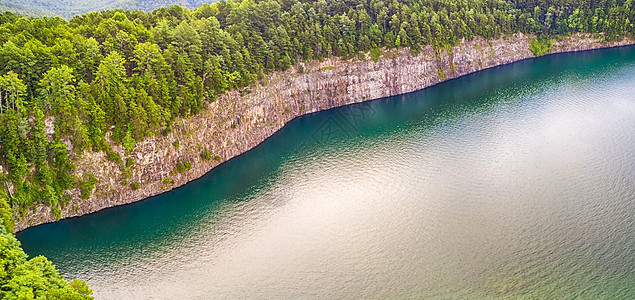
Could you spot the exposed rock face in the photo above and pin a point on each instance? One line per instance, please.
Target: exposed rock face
(234, 124)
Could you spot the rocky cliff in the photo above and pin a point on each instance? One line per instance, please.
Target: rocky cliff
(240, 120)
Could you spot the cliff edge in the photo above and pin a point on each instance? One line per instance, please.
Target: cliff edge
(240, 120)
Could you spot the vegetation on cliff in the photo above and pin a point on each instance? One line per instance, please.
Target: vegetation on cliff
(540, 46)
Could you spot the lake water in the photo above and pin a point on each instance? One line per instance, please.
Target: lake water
(518, 181)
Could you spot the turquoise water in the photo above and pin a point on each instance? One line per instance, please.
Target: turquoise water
(518, 181)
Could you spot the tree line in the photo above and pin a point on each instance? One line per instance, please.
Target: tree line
(70, 8)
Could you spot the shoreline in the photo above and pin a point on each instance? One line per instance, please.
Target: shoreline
(239, 121)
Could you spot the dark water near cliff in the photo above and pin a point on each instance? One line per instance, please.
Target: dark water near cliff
(515, 181)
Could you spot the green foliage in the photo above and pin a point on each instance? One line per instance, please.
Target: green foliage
(135, 186)
(540, 46)
(60, 162)
(87, 185)
(375, 53)
(441, 75)
(129, 162)
(180, 167)
(113, 156)
(128, 142)
(6, 218)
(206, 155)
(36, 278)
(13, 88)
(126, 170)
(183, 166)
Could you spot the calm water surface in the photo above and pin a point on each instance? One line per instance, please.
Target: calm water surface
(518, 181)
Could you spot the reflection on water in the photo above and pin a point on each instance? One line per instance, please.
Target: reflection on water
(516, 181)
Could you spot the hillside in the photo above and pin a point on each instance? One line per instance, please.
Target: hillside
(70, 8)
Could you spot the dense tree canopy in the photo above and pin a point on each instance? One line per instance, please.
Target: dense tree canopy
(71, 8)
(35, 278)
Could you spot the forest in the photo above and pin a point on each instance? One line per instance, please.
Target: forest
(117, 77)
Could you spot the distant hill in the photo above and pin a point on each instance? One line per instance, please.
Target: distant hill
(69, 8)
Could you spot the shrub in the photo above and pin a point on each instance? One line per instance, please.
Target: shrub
(441, 75)
(128, 142)
(183, 166)
(87, 185)
(206, 155)
(113, 156)
(540, 46)
(130, 162)
(375, 53)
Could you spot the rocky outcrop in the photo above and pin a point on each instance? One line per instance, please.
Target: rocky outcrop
(240, 120)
